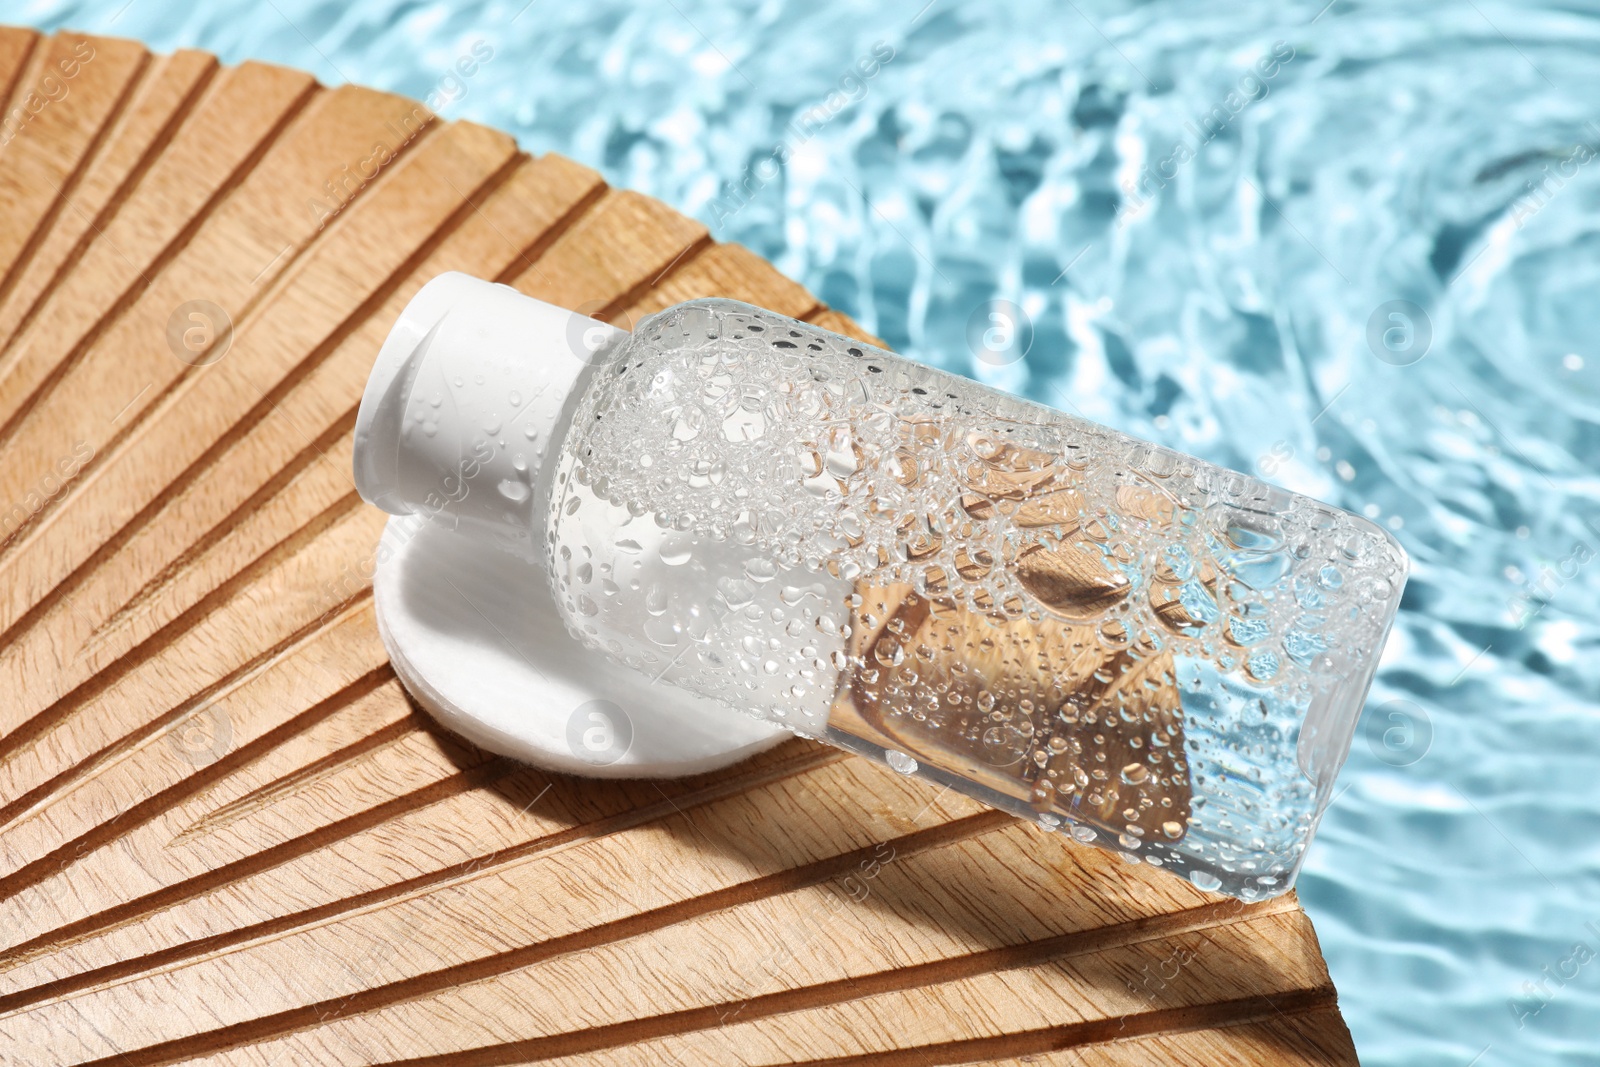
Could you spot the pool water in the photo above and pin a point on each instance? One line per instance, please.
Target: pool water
(1353, 249)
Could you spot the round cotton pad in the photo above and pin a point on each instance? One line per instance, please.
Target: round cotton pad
(474, 636)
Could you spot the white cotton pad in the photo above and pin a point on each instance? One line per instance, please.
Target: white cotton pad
(472, 634)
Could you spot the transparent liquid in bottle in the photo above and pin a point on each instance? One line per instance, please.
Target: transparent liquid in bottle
(1164, 657)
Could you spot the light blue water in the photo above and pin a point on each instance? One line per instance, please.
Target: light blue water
(1390, 158)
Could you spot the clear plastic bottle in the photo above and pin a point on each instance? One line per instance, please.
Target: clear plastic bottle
(1163, 657)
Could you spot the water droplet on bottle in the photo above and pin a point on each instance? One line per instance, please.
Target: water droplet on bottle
(1172, 829)
(655, 599)
(1205, 880)
(662, 631)
(744, 425)
(1135, 773)
(736, 592)
(688, 425)
(676, 551)
(889, 652)
(513, 490)
(900, 761)
(793, 594)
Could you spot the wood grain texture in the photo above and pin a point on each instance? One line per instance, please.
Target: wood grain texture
(227, 836)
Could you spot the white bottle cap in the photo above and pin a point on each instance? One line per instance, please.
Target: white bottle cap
(454, 432)
(457, 417)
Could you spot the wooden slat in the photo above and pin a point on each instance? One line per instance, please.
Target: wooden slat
(227, 836)
(282, 337)
(231, 895)
(244, 109)
(612, 255)
(60, 104)
(168, 87)
(730, 271)
(497, 919)
(232, 260)
(130, 704)
(16, 45)
(1315, 1036)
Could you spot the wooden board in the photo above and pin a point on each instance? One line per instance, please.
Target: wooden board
(226, 835)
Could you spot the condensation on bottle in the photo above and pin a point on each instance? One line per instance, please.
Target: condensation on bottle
(1162, 657)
